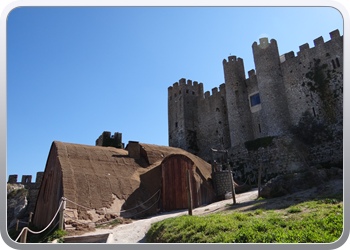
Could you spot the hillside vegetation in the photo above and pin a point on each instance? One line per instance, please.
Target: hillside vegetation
(316, 221)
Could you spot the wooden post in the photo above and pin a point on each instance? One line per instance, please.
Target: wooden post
(17, 224)
(259, 181)
(23, 238)
(232, 184)
(61, 222)
(189, 193)
(30, 217)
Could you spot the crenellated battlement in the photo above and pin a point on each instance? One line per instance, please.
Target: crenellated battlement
(251, 73)
(215, 92)
(232, 59)
(185, 87)
(319, 44)
(264, 43)
(26, 179)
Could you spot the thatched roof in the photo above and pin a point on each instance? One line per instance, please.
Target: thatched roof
(92, 174)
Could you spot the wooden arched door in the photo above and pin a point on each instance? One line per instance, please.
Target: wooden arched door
(174, 175)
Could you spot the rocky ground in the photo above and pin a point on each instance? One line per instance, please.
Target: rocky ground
(16, 204)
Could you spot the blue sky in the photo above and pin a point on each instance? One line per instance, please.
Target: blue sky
(74, 72)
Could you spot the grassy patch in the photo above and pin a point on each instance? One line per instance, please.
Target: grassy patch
(294, 209)
(309, 222)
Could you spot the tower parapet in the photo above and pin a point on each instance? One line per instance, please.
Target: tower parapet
(27, 180)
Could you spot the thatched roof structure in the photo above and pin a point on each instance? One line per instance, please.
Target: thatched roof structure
(99, 177)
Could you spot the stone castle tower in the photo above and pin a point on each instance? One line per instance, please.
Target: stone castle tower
(267, 103)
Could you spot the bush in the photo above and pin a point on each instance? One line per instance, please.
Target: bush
(309, 130)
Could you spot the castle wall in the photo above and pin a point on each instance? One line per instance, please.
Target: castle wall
(183, 114)
(239, 115)
(287, 86)
(33, 188)
(274, 108)
(212, 115)
(223, 183)
(313, 80)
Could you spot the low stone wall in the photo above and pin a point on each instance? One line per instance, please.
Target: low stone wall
(222, 183)
(20, 207)
(283, 156)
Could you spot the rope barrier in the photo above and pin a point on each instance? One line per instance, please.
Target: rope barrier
(147, 208)
(111, 212)
(116, 212)
(33, 232)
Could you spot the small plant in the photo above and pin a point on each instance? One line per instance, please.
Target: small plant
(57, 234)
(328, 201)
(259, 199)
(294, 210)
(259, 211)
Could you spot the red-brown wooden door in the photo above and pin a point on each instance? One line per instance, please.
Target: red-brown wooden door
(174, 173)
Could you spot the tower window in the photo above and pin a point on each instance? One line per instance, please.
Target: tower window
(337, 61)
(176, 124)
(186, 91)
(313, 109)
(259, 128)
(333, 64)
(254, 100)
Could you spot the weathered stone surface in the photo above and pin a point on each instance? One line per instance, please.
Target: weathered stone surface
(16, 203)
(291, 183)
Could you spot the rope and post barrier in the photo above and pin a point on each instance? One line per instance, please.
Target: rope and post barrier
(23, 233)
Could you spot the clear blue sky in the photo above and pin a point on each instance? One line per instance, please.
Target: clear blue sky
(74, 72)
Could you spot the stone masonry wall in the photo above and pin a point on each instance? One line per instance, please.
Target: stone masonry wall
(222, 182)
(33, 187)
(288, 86)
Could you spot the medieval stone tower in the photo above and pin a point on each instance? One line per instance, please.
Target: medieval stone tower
(267, 103)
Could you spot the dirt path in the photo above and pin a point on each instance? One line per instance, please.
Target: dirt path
(135, 232)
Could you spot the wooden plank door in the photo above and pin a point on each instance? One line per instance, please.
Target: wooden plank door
(174, 182)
